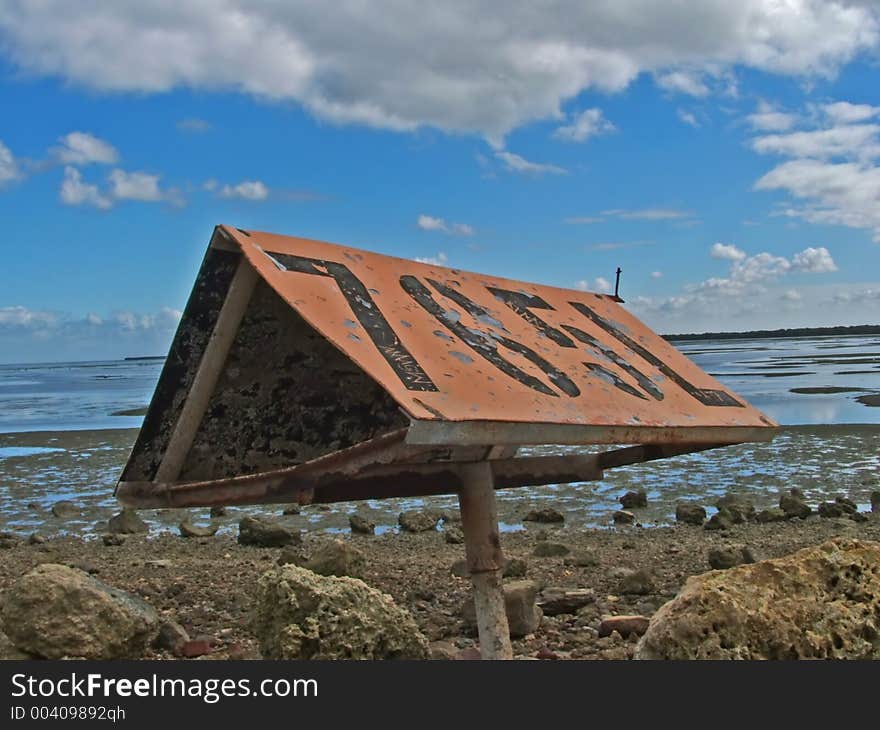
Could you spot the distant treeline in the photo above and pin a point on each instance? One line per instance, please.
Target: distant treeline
(863, 329)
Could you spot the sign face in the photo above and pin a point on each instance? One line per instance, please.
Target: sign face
(454, 346)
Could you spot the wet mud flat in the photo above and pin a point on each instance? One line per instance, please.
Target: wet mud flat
(207, 584)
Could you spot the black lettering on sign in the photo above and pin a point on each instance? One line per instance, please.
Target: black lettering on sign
(522, 304)
(643, 380)
(604, 373)
(707, 396)
(485, 344)
(367, 313)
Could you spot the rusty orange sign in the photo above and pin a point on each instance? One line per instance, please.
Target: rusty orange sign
(455, 346)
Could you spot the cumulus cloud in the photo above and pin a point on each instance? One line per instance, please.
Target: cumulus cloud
(254, 190)
(135, 186)
(516, 163)
(487, 72)
(600, 285)
(440, 259)
(727, 251)
(688, 117)
(832, 171)
(589, 123)
(430, 223)
(8, 166)
(769, 119)
(82, 148)
(75, 191)
(814, 261)
(656, 274)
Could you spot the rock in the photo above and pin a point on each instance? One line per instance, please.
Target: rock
(361, 525)
(127, 522)
(36, 539)
(690, 513)
(34, 507)
(634, 499)
(302, 615)
(721, 520)
(453, 535)
(261, 532)
(740, 508)
(55, 611)
(546, 654)
(218, 511)
(520, 604)
(794, 506)
(728, 557)
(819, 603)
(546, 549)
(847, 504)
(8, 540)
(291, 554)
(858, 517)
(442, 650)
(187, 529)
(582, 560)
(773, 514)
(85, 566)
(459, 569)
(336, 557)
(514, 568)
(623, 625)
(112, 540)
(290, 510)
(171, 637)
(65, 510)
(832, 509)
(416, 521)
(161, 563)
(8, 650)
(637, 583)
(622, 517)
(196, 647)
(875, 500)
(547, 515)
(555, 601)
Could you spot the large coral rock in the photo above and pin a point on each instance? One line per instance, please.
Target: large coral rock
(302, 615)
(55, 611)
(821, 602)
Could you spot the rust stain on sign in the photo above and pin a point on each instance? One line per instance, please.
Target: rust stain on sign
(457, 346)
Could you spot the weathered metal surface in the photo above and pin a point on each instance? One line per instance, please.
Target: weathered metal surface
(453, 346)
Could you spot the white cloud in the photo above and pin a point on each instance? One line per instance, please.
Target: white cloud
(429, 223)
(688, 118)
(440, 259)
(768, 119)
(600, 285)
(193, 124)
(23, 317)
(589, 123)
(683, 82)
(656, 274)
(814, 261)
(649, 214)
(8, 165)
(833, 172)
(791, 295)
(82, 148)
(843, 112)
(516, 163)
(727, 251)
(74, 191)
(254, 190)
(135, 186)
(583, 220)
(488, 72)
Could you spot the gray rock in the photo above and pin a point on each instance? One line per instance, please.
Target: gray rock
(37, 539)
(127, 522)
(740, 508)
(582, 560)
(260, 532)
(8, 540)
(302, 615)
(546, 549)
(112, 540)
(773, 514)
(56, 611)
(721, 520)
(187, 529)
(690, 513)
(515, 568)
(722, 558)
(555, 601)
(361, 525)
(453, 535)
(794, 506)
(875, 500)
(637, 583)
(336, 557)
(622, 517)
(219, 511)
(418, 521)
(291, 510)
(520, 604)
(546, 515)
(65, 510)
(623, 625)
(632, 499)
(171, 637)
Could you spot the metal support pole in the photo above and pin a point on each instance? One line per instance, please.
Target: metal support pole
(479, 520)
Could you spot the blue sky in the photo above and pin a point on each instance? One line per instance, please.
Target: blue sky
(724, 155)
